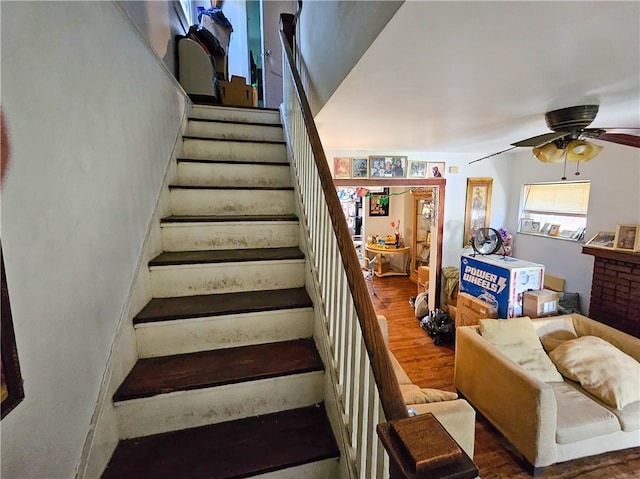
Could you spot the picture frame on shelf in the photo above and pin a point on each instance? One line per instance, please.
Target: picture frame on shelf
(417, 169)
(627, 237)
(568, 234)
(387, 166)
(435, 169)
(603, 239)
(535, 227)
(554, 230)
(359, 168)
(478, 207)
(525, 225)
(342, 168)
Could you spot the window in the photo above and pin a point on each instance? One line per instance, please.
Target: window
(555, 209)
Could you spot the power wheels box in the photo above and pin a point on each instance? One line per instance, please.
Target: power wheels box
(500, 281)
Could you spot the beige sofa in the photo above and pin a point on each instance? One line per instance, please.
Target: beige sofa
(455, 415)
(555, 421)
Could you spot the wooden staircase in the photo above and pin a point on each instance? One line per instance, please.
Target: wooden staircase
(229, 382)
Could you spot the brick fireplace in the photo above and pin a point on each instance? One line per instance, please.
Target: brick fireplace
(615, 289)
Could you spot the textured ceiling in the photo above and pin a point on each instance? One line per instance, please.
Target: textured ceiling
(474, 77)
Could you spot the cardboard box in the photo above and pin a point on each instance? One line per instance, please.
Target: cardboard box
(236, 92)
(470, 310)
(540, 303)
(500, 280)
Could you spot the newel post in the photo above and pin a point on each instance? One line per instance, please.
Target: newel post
(420, 448)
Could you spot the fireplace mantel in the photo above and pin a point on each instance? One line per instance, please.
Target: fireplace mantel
(615, 289)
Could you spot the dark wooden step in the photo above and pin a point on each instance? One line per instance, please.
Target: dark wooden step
(182, 372)
(235, 449)
(236, 122)
(234, 140)
(233, 162)
(164, 309)
(242, 188)
(226, 256)
(222, 218)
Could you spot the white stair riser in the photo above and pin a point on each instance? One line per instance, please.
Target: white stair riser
(189, 280)
(165, 338)
(234, 150)
(325, 469)
(229, 235)
(234, 131)
(186, 409)
(236, 175)
(235, 114)
(186, 201)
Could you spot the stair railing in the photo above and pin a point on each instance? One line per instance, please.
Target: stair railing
(367, 389)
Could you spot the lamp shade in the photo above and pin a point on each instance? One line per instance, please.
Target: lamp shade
(579, 150)
(549, 153)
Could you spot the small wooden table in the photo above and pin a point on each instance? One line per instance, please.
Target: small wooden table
(391, 250)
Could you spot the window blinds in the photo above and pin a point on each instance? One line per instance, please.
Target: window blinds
(557, 198)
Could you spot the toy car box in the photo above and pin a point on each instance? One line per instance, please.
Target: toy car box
(500, 280)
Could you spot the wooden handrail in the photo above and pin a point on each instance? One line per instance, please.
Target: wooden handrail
(385, 378)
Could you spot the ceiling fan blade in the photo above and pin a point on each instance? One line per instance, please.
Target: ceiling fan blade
(621, 139)
(541, 139)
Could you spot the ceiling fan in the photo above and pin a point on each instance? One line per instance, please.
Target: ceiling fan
(568, 140)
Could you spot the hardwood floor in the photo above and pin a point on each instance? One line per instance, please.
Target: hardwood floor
(432, 366)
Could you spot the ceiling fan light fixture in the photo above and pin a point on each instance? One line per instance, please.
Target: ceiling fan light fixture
(549, 153)
(580, 150)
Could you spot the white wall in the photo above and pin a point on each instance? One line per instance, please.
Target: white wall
(92, 116)
(332, 36)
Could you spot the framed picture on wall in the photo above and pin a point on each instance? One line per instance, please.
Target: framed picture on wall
(379, 204)
(478, 208)
(342, 168)
(417, 169)
(435, 169)
(627, 237)
(359, 168)
(387, 166)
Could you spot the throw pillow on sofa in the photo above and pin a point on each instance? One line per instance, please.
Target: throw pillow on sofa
(517, 339)
(412, 394)
(600, 368)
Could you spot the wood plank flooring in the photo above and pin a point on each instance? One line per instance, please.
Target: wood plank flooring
(432, 366)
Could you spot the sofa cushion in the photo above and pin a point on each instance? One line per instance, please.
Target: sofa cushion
(517, 339)
(413, 394)
(579, 417)
(551, 341)
(501, 332)
(600, 368)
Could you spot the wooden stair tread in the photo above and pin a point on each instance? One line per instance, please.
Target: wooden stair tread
(222, 218)
(235, 140)
(234, 449)
(260, 188)
(235, 122)
(181, 372)
(182, 307)
(168, 258)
